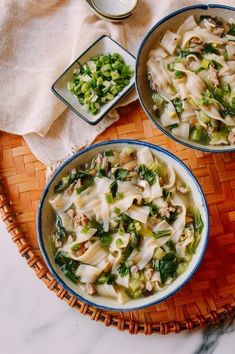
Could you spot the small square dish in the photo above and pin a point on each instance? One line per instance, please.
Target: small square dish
(103, 45)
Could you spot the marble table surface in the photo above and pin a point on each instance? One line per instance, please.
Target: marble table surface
(34, 321)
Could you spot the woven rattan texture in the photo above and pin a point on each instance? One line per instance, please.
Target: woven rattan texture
(207, 298)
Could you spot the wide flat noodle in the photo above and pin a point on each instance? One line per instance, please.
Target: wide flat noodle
(87, 273)
(188, 25)
(194, 84)
(83, 235)
(182, 130)
(145, 156)
(163, 226)
(219, 59)
(171, 178)
(179, 224)
(170, 41)
(155, 190)
(61, 202)
(123, 281)
(139, 213)
(203, 34)
(66, 221)
(93, 255)
(114, 246)
(230, 48)
(157, 75)
(106, 290)
(145, 254)
(127, 188)
(125, 203)
(169, 115)
(158, 53)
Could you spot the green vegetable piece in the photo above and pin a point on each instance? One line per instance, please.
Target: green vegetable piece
(113, 189)
(167, 266)
(200, 135)
(198, 223)
(232, 104)
(137, 294)
(123, 270)
(183, 53)
(153, 209)
(100, 173)
(61, 233)
(158, 254)
(119, 195)
(178, 104)
(158, 100)
(115, 75)
(67, 265)
(106, 239)
(205, 63)
(86, 181)
(106, 278)
(155, 264)
(172, 126)
(170, 67)
(65, 182)
(117, 211)
(208, 48)
(171, 246)
(166, 195)
(216, 64)
(75, 247)
(85, 230)
(121, 174)
(191, 248)
(226, 89)
(179, 74)
(109, 198)
(231, 30)
(147, 174)
(134, 240)
(161, 233)
(106, 67)
(220, 136)
(119, 242)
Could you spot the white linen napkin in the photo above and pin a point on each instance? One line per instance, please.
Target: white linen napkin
(39, 39)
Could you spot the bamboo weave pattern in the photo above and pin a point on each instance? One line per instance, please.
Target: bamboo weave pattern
(207, 298)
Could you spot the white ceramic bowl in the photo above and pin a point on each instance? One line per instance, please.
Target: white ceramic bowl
(103, 45)
(46, 220)
(151, 40)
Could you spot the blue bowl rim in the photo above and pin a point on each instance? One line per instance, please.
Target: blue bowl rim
(122, 95)
(60, 169)
(167, 17)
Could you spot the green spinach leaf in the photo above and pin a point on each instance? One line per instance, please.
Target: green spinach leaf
(167, 266)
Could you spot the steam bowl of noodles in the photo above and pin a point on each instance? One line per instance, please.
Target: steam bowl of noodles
(123, 225)
(185, 76)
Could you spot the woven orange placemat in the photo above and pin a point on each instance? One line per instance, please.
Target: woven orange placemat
(206, 298)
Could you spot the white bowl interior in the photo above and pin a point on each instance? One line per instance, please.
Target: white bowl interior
(104, 45)
(151, 42)
(48, 219)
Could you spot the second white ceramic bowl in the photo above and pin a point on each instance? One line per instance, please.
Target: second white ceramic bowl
(151, 40)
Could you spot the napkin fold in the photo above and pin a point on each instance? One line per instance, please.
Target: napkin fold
(39, 39)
